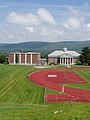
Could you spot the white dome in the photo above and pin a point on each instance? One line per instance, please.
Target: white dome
(65, 49)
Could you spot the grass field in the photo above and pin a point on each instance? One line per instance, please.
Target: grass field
(20, 99)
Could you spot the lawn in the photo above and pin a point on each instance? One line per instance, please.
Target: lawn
(21, 99)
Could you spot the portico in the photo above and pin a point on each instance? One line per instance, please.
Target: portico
(66, 61)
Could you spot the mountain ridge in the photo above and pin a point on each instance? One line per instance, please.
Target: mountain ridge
(44, 46)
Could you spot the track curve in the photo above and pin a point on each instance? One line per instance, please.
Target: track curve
(54, 79)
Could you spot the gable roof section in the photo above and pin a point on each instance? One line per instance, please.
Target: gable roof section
(66, 55)
(73, 53)
(55, 54)
(60, 53)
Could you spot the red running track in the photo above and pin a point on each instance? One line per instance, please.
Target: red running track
(53, 79)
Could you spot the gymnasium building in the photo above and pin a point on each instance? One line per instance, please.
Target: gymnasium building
(64, 57)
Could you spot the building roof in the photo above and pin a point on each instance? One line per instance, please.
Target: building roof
(65, 52)
(25, 53)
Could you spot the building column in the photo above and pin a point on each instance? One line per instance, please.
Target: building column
(31, 58)
(72, 61)
(14, 58)
(25, 58)
(19, 58)
(60, 60)
(65, 61)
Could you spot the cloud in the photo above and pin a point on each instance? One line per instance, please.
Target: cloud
(30, 29)
(73, 11)
(54, 32)
(43, 31)
(58, 32)
(87, 27)
(23, 19)
(72, 23)
(68, 23)
(5, 35)
(42, 17)
(36, 33)
(45, 16)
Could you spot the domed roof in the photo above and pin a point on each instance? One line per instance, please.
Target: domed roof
(65, 49)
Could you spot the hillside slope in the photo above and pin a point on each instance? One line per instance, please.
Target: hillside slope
(44, 46)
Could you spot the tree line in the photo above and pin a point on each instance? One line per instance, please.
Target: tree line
(3, 58)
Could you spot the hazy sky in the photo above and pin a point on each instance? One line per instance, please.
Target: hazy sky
(44, 20)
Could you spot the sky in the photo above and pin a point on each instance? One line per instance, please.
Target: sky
(44, 20)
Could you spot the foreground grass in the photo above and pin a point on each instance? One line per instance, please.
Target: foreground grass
(20, 99)
(16, 88)
(66, 111)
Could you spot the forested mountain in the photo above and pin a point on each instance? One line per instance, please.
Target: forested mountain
(44, 46)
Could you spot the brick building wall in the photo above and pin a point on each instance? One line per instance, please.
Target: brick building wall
(24, 58)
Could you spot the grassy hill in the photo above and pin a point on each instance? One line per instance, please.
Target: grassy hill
(21, 99)
(44, 46)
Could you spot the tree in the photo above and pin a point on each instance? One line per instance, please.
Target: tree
(2, 58)
(85, 56)
(16, 58)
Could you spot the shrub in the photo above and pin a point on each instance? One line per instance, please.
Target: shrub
(78, 63)
(52, 63)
